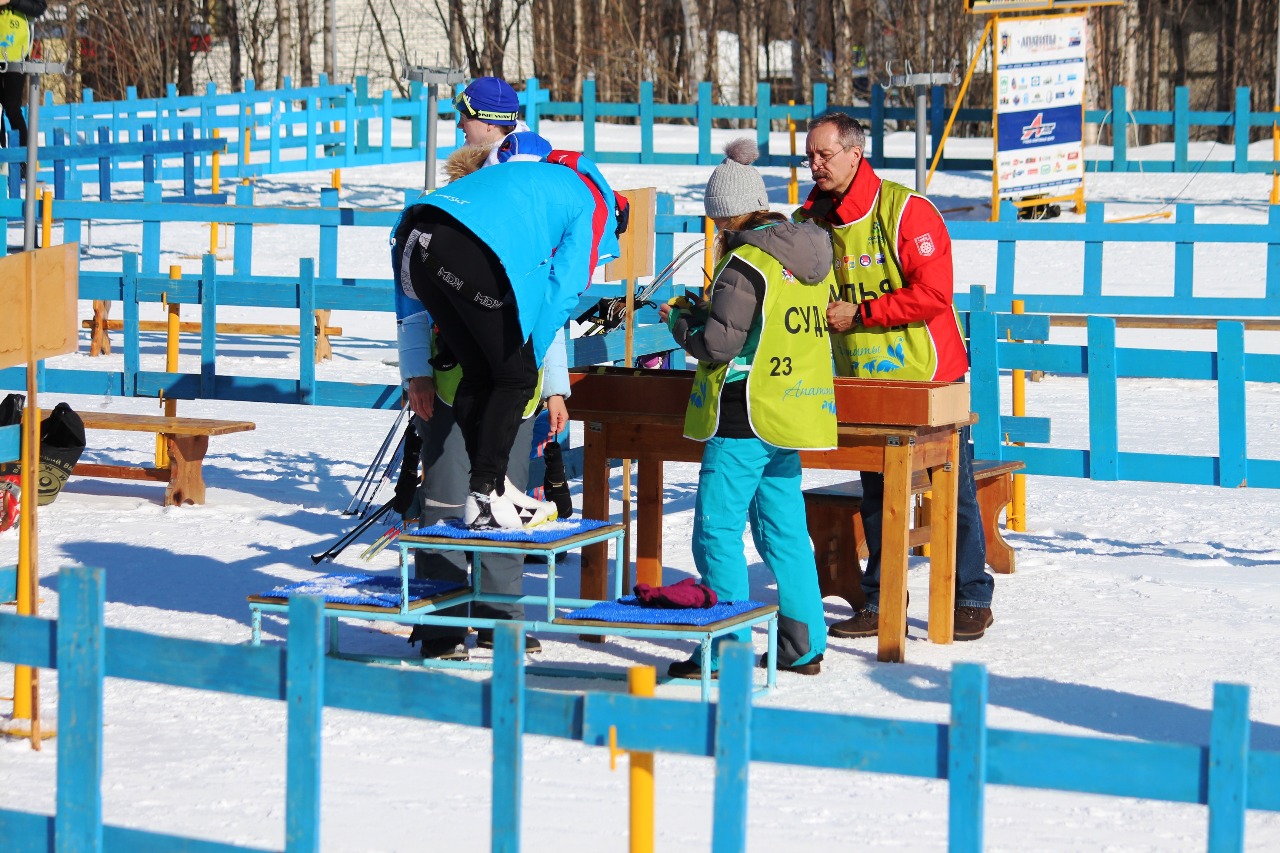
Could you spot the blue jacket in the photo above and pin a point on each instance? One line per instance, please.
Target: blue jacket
(550, 224)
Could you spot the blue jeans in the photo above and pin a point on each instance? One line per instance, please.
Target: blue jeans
(747, 479)
(974, 584)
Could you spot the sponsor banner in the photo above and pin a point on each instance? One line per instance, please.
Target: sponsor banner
(1040, 105)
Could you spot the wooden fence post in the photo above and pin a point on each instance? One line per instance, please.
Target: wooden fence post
(1233, 445)
(967, 757)
(733, 748)
(1104, 448)
(1228, 767)
(81, 668)
(508, 710)
(304, 698)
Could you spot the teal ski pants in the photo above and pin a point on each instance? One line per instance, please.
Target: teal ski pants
(747, 479)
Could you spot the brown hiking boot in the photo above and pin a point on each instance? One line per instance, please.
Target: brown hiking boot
(865, 623)
(812, 667)
(972, 622)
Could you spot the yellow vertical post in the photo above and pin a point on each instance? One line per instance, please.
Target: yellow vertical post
(793, 186)
(708, 254)
(26, 680)
(174, 319)
(246, 144)
(641, 681)
(46, 217)
(1275, 155)
(335, 179)
(215, 188)
(1018, 511)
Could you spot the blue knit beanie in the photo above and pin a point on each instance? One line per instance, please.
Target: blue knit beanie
(491, 100)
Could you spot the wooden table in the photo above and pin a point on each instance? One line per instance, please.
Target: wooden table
(897, 428)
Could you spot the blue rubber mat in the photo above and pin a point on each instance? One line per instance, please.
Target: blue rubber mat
(364, 590)
(453, 528)
(627, 609)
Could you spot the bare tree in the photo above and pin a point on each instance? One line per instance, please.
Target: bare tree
(284, 41)
(306, 38)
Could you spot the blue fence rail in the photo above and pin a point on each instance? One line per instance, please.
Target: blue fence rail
(1225, 775)
(329, 126)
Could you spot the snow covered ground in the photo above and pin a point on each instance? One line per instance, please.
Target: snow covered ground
(1130, 599)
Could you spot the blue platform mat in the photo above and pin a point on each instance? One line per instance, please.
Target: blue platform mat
(552, 531)
(363, 590)
(627, 609)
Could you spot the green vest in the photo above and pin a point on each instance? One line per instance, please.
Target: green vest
(447, 385)
(866, 267)
(15, 36)
(791, 399)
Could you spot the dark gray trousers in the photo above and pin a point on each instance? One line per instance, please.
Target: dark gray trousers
(446, 478)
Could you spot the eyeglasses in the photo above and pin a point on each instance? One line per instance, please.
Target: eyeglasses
(819, 157)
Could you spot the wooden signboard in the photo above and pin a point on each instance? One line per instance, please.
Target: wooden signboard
(636, 257)
(53, 274)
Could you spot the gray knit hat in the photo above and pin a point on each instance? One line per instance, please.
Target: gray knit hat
(735, 187)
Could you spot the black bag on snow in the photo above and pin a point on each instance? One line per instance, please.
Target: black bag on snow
(61, 443)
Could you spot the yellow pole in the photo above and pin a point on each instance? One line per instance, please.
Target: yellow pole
(170, 365)
(708, 254)
(26, 680)
(793, 186)
(46, 217)
(335, 179)
(641, 681)
(964, 86)
(1018, 511)
(1275, 155)
(215, 189)
(246, 144)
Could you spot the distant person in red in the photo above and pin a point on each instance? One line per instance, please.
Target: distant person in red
(15, 45)
(892, 317)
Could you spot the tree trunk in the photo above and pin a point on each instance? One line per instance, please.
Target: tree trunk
(579, 69)
(748, 50)
(693, 48)
(330, 18)
(236, 73)
(284, 41)
(306, 37)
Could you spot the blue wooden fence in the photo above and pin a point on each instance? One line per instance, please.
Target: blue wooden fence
(992, 351)
(296, 127)
(1225, 775)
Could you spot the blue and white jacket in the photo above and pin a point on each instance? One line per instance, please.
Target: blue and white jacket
(550, 223)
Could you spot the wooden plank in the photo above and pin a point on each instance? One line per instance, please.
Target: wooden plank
(649, 490)
(967, 757)
(163, 424)
(1080, 321)
(121, 472)
(367, 608)
(81, 669)
(50, 276)
(635, 256)
(304, 699)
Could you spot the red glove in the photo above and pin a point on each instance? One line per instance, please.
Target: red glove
(686, 594)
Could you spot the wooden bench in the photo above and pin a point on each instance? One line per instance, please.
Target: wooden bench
(187, 439)
(839, 542)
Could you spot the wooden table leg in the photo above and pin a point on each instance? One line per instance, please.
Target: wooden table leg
(595, 504)
(896, 534)
(649, 483)
(994, 495)
(942, 554)
(99, 342)
(324, 350)
(186, 459)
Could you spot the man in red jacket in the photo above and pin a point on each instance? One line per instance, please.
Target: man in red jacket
(893, 318)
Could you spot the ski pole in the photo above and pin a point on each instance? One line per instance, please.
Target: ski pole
(347, 538)
(371, 473)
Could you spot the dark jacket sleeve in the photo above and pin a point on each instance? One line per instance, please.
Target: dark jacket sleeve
(30, 8)
(736, 297)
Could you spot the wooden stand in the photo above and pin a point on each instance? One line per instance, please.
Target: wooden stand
(897, 428)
